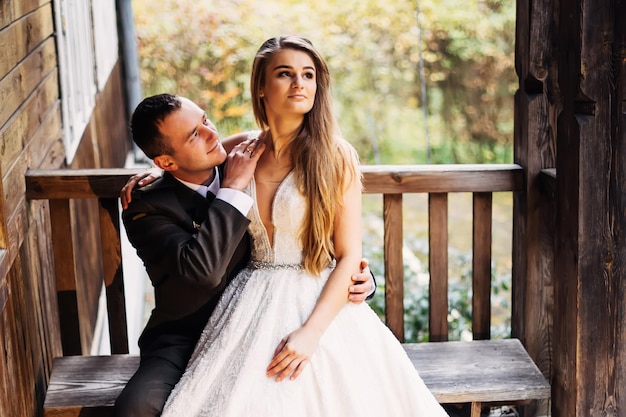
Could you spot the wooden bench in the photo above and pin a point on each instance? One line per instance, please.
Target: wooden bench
(480, 372)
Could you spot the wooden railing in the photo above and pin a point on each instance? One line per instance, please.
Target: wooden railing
(392, 181)
(60, 187)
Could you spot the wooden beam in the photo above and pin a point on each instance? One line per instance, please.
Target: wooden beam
(389, 179)
(77, 183)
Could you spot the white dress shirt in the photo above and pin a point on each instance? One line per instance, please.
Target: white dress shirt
(238, 199)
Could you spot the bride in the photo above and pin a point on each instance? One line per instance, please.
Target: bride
(284, 340)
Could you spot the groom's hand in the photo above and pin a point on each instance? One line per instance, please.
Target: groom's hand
(363, 284)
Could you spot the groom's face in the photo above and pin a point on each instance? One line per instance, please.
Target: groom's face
(195, 143)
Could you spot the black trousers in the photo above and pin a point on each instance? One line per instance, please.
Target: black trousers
(146, 392)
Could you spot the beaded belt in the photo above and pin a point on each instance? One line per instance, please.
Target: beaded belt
(273, 266)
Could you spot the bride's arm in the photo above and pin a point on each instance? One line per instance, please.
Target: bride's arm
(294, 351)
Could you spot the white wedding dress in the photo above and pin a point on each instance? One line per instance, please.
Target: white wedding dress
(359, 368)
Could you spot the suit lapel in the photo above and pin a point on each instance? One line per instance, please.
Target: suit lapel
(193, 204)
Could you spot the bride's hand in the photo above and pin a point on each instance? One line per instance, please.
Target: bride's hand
(293, 354)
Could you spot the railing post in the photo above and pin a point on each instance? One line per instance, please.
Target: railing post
(394, 265)
(438, 266)
(481, 265)
(113, 275)
(65, 272)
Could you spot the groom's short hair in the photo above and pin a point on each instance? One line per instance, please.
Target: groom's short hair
(146, 120)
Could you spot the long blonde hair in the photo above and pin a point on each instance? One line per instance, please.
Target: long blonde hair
(323, 162)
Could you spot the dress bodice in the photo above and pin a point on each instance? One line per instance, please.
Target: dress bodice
(287, 215)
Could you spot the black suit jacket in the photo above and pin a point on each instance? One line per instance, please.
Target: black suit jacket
(191, 248)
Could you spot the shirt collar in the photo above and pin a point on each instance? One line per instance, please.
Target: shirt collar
(213, 187)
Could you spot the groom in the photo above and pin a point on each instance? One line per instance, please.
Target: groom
(189, 229)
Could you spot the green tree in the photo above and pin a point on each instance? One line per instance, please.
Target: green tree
(204, 50)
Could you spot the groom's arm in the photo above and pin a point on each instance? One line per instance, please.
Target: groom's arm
(171, 244)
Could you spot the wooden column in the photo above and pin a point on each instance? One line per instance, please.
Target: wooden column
(536, 104)
(590, 252)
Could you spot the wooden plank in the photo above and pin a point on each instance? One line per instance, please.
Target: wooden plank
(77, 183)
(17, 228)
(13, 181)
(24, 35)
(39, 146)
(9, 356)
(18, 84)
(378, 179)
(4, 238)
(37, 257)
(30, 121)
(486, 371)
(65, 272)
(113, 276)
(10, 11)
(20, 348)
(394, 266)
(4, 288)
(87, 384)
(14, 186)
(481, 266)
(41, 226)
(5, 375)
(27, 343)
(389, 179)
(438, 266)
(111, 122)
(478, 371)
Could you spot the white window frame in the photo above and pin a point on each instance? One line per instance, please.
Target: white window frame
(76, 69)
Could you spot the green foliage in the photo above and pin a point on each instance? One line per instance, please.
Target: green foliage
(416, 301)
(204, 49)
(194, 49)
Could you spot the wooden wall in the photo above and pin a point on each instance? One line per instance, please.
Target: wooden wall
(570, 251)
(31, 136)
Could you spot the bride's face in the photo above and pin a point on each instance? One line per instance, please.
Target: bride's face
(290, 84)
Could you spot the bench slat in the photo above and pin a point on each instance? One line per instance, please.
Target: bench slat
(488, 371)
(87, 385)
(478, 371)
